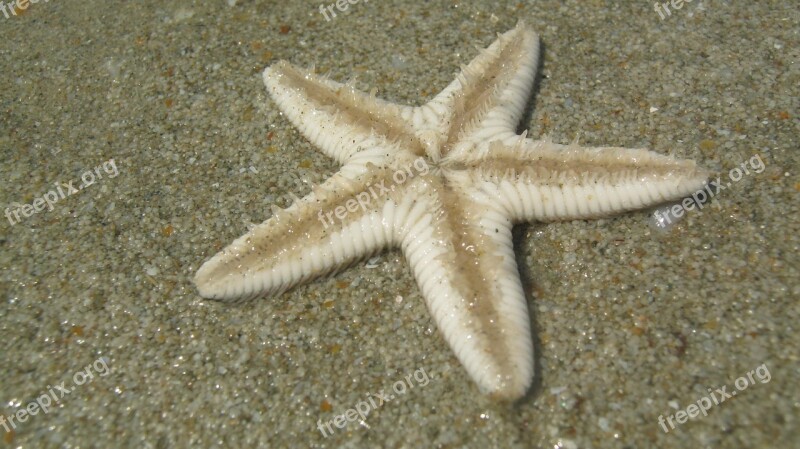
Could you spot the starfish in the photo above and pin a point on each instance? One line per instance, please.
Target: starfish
(445, 182)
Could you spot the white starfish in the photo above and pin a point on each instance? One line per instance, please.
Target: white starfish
(445, 182)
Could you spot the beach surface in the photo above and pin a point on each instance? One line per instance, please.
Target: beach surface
(638, 322)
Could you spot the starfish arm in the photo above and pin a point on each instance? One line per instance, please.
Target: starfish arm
(544, 181)
(337, 118)
(337, 224)
(488, 97)
(460, 250)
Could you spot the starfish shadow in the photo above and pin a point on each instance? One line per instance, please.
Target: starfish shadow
(527, 115)
(529, 286)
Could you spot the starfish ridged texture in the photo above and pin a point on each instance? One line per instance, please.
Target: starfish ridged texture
(445, 182)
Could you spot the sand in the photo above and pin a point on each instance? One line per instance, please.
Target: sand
(163, 104)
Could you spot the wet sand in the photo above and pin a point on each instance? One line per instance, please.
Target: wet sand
(632, 321)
